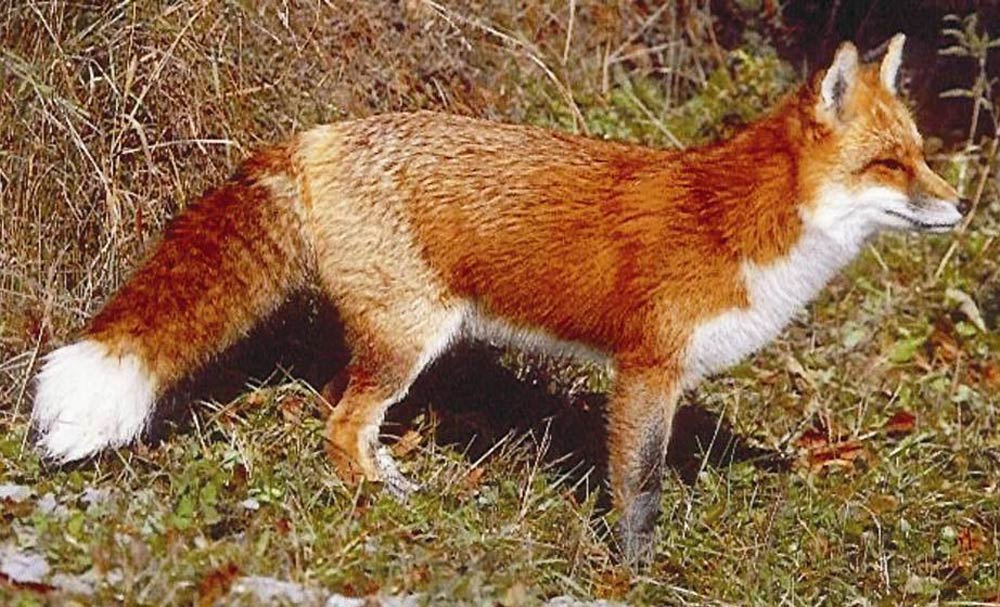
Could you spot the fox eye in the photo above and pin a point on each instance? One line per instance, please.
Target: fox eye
(890, 164)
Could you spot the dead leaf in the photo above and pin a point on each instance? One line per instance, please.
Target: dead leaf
(516, 595)
(819, 544)
(967, 306)
(922, 585)
(794, 367)
(838, 455)
(989, 374)
(416, 10)
(971, 540)
(407, 443)
(238, 480)
(14, 493)
(943, 345)
(216, 584)
(920, 362)
(257, 398)
(639, 55)
(473, 479)
(14, 500)
(882, 503)
(37, 587)
(291, 408)
(616, 581)
(812, 439)
(418, 575)
(902, 422)
(970, 543)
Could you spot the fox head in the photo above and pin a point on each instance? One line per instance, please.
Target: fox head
(867, 165)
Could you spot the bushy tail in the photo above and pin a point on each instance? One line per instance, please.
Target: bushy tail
(222, 266)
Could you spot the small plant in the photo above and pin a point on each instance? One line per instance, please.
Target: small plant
(977, 160)
(736, 93)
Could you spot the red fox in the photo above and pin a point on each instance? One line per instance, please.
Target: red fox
(423, 228)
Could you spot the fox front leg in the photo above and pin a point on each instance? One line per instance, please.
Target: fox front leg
(640, 417)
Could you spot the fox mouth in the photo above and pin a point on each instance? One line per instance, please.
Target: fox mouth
(925, 226)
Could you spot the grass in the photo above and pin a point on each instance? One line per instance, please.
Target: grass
(855, 461)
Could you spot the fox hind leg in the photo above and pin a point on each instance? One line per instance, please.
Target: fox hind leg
(388, 352)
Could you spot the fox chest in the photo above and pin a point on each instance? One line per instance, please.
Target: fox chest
(777, 291)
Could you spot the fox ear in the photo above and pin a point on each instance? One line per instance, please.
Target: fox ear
(890, 63)
(839, 80)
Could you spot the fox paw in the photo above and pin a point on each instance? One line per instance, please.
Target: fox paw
(635, 533)
(394, 481)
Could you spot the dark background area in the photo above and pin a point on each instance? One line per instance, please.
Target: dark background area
(808, 32)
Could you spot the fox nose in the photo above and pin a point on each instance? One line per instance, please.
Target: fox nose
(964, 206)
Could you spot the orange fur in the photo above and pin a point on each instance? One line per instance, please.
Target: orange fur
(193, 296)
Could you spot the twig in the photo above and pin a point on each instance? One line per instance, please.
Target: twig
(529, 51)
(981, 185)
(158, 69)
(606, 69)
(569, 32)
(674, 141)
(27, 373)
(642, 29)
(945, 260)
(24, 387)
(645, 51)
(976, 198)
(181, 142)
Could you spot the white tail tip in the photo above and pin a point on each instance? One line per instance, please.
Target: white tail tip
(87, 400)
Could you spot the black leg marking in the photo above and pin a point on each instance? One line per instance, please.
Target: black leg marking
(638, 521)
